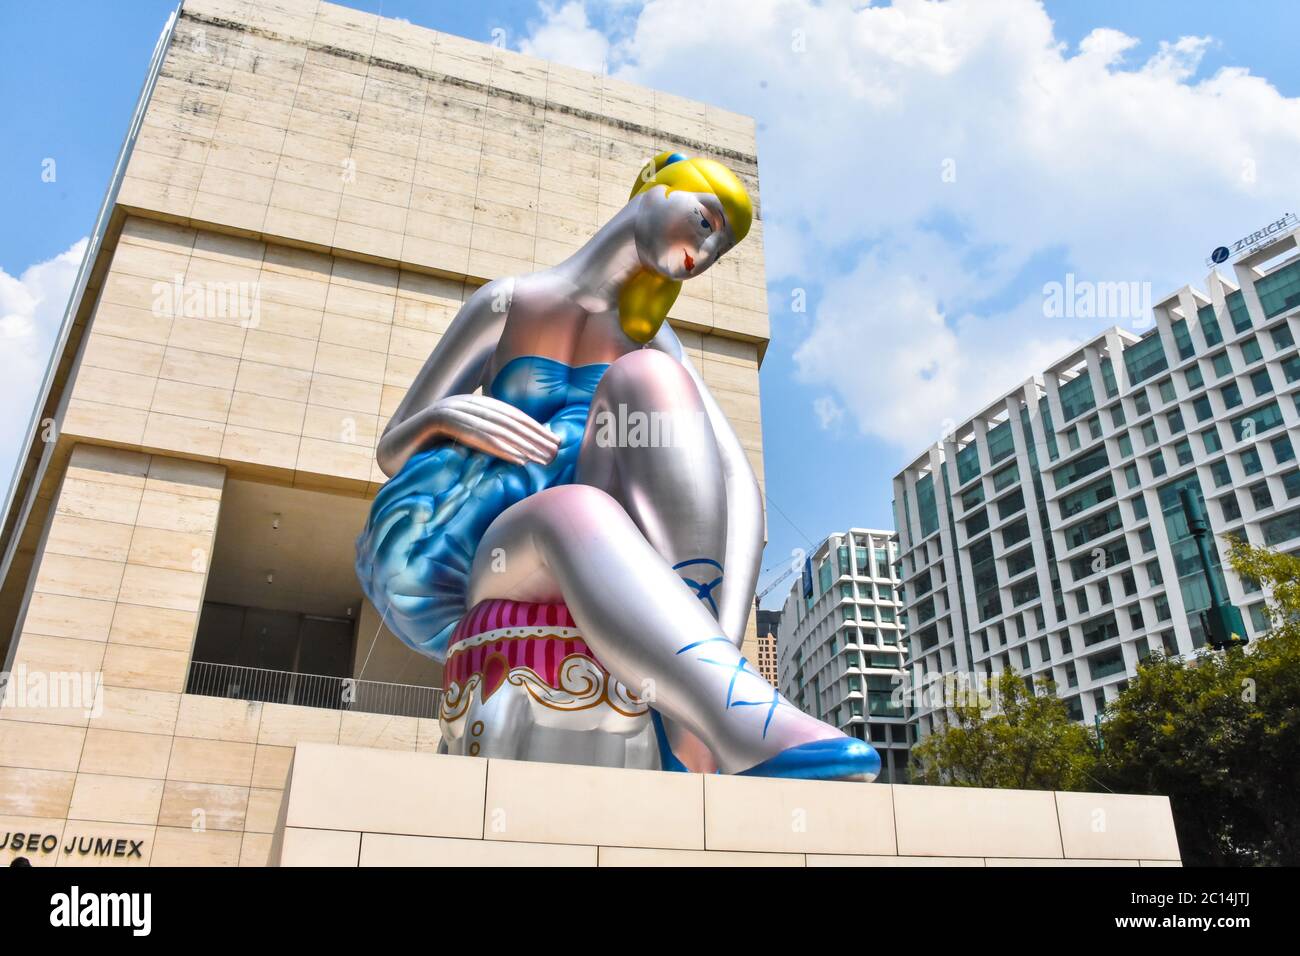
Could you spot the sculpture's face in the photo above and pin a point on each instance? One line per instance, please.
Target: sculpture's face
(679, 234)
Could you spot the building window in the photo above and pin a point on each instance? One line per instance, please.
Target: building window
(1209, 325)
(1257, 421)
(1251, 351)
(1147, 540)
(1006, 477)
(1001, 442)
(1011, 504)
(1024, 592)
(926, 506)
(1085, 498)
(1260, 496)
(1015, 532)
(1145, 358)
(1020, 562)
(1279, 290)
(1291, 483)
(1100, 629)
(1182, 338)
(1283, 451)
(1086, 565)
(1282, 528)
(968, 463)
(1108, 378)
(1238, 312)
(1080, 467)
(1097, 526)
(1076, 396)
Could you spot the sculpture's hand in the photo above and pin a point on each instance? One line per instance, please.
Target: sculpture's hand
(494, 427)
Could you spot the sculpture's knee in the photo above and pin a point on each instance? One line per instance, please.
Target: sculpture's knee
(516, 557)
(577, 507)
(648, 378)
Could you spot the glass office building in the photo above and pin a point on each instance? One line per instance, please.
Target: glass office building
(841, 652)
(1045, 533)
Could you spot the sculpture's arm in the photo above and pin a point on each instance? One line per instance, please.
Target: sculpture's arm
(744, 503)
(439, 404)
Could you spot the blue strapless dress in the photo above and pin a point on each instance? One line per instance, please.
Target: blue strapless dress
(414, 556)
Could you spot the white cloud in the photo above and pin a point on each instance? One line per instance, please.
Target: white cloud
(928, 166)
(829, 412)
(565, 36)
(31, 308)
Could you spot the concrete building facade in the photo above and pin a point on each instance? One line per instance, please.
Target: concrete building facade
(305, 196)
(841, 644)
(1045, 533)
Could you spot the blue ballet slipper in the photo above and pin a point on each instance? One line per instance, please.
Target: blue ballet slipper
(841, 758)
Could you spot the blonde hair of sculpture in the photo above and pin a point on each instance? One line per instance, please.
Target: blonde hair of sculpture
(647, 296)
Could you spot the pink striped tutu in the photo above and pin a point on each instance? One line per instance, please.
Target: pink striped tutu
(499, 636)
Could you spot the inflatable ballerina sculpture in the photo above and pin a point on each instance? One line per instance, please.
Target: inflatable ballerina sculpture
(587, 590)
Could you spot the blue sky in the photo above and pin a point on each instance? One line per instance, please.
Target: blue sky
(1113, 140)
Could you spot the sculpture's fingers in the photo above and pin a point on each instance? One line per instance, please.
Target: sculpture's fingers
(474, 431)
(504, 413)
(506, 433)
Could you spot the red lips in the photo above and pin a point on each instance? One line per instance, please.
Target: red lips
(690, 263)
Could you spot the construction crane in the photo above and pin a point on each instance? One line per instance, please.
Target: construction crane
(793, 569)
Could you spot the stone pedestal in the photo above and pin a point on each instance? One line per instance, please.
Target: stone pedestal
(354, 806)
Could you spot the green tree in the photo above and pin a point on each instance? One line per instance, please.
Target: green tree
(1013, 739)
(1220, 733)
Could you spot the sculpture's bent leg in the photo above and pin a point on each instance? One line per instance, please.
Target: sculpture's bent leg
(578, 545)
(648, 443)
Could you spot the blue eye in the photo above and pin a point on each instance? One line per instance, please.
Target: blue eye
(708, 226)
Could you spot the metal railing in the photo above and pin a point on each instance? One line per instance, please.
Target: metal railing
(234, 682)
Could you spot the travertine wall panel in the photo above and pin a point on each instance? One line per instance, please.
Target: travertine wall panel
(507, 813)
(112, 618)
(285, 364)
